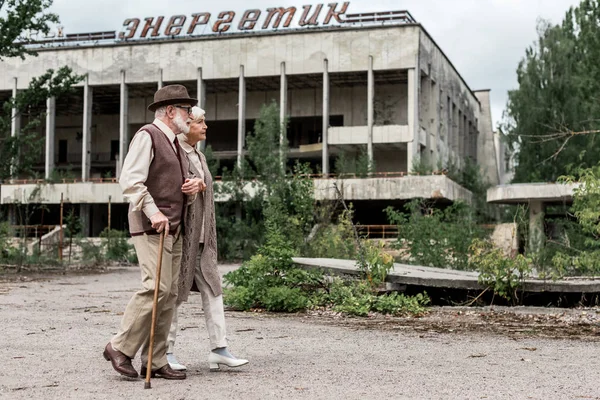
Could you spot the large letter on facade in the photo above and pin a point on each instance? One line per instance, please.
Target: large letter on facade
(175, 24)
(249, 20)
(281, 12)
(335, 14)
(225, 19)
(314, 19)
(132, 25)
(155, 28)
(196, 21)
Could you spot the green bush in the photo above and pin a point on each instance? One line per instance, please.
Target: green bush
(269, 280)
(374, 263)
(331, 239)
(239, 297)
(504, 275)
(116, 247)
(8, 253)
(399, 304)
(284, 298)
(357, 297)
(90, 252)
(435, 237)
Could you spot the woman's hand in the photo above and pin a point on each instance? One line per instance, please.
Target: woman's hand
(193, 186)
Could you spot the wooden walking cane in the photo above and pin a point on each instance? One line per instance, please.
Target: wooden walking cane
(161, 245)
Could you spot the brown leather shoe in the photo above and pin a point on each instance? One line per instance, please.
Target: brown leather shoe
(120, 362)
(165, 372)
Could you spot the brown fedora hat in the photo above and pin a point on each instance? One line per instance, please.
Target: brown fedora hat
(171, 94)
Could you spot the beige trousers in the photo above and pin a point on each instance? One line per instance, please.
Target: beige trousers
(135, 324)
(214, 313)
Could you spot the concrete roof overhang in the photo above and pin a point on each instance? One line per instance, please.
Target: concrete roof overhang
(106, 99)
(531, 192)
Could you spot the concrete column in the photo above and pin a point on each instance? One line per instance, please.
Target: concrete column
(50, 134)
(282, 113)
(241, 116)
(86, 152)
(123, 123)
(537, 237)
(412, 155)
(201, 146)
(461, 138)
(85, 214)
(201, 89)
(160, 78)
(370, 110)
(455, 124)
(325, 117)
(12, 214)
(15, 127)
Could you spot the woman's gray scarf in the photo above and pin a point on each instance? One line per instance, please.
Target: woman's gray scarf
(203, 206)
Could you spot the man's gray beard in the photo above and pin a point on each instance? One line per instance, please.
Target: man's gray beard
(181, 125)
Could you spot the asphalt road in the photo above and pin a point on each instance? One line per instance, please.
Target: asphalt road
(54, 330)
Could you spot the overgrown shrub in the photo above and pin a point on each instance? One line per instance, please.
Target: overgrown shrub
(358, 298)
(270, 280)
(504, 275)
(374, 263)
(582, 256)
(435, 237)
(116, 247)
(8, 253)
(353, 165)
(331, 239)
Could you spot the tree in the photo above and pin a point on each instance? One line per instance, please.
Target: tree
(557, 97)
(279, 196)
(20, 18)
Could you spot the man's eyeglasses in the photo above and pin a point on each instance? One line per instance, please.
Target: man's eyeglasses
(186, 108)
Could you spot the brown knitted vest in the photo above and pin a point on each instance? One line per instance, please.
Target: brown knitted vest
(166, 175)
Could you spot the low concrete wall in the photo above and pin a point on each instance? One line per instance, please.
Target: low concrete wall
(81, 192)
(404, 188)
(396, 188)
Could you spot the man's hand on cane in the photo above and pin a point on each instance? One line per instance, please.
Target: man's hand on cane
(160, 222)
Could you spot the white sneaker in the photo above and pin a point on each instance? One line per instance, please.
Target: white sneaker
(214, 360)
(174, 363)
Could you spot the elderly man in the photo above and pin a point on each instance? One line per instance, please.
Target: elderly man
(199, 270)
(154, 181)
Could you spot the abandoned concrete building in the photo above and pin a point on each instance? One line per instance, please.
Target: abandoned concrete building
(386, 88)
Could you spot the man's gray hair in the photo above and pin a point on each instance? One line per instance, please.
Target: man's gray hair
(197, 113)
(160, 112)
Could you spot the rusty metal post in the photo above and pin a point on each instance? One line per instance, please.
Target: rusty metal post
(109, 198)
(60, 242)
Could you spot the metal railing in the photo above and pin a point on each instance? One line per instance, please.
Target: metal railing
(378, 231)
(382, 16)
(353, 175)
(35, 231)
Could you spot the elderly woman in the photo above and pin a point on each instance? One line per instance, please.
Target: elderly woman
(199, 256)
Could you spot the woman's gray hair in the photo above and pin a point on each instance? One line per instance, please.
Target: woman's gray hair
(197, 113)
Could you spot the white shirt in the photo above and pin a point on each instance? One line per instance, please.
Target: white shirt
(135, 170)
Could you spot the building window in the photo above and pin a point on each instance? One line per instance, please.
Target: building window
(62, 150)
(114, 149)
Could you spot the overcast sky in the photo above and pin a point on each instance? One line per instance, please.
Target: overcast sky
(484, 39)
